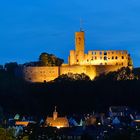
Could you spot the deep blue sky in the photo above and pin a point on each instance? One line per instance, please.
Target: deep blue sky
(29, 27)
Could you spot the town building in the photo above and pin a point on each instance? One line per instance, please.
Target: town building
(57, 121)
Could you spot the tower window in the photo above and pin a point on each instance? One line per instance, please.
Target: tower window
(105, 53)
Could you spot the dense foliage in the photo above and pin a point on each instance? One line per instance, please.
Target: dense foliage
(121, 74)
(72, 77)
(46, 59)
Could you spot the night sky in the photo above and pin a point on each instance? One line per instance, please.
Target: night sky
(29, 27)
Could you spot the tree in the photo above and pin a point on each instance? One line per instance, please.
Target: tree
(10, 67)
(46, 59)
(6, 134)
(72, 77)
(125, 73)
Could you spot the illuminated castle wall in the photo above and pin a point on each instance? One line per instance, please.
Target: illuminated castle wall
(93, 63)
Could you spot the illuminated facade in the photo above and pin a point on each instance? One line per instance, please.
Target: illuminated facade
(56, 121)
(92, 63)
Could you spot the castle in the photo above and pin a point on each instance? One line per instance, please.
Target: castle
(92, 64)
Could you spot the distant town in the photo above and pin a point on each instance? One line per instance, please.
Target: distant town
(119, 122)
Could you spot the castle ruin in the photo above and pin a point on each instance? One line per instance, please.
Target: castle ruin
(92, 64)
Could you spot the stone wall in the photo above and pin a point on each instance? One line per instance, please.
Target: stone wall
(45, 74)
(40, 74)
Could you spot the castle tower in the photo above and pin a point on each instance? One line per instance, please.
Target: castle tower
(55, 114)
(79, 41)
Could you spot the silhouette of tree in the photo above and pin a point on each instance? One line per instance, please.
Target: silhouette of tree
(125, 73)
(46, 59)
(10, 67)
(72, 77)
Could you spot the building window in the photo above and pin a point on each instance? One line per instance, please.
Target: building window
(116, 63)
(77, 60)
(105, 58)
(122, 57)
(112, 52)
(122, 63)
(95, 57)
(105, 53)
(100, 53)
(101, 58)
(94, 53)
(112, 57)
(116, 57)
